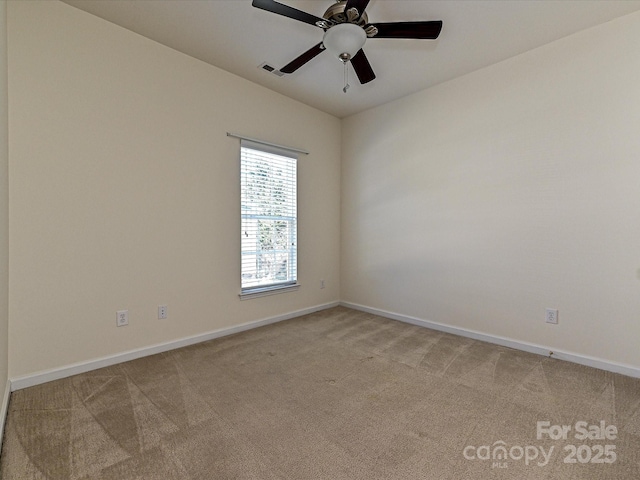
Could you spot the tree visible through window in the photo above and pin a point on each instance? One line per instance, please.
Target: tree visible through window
(269, 217)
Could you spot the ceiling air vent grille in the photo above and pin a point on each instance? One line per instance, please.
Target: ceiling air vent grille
(265, 66)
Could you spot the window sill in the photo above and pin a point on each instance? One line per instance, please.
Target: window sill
(263, 292)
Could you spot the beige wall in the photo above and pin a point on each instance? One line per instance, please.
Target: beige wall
(477, 203)
(482, 201)
(125, 190)
(4, 200)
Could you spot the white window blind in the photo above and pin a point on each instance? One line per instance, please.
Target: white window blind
(269, 217)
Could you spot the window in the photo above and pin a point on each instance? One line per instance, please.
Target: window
(268, 224)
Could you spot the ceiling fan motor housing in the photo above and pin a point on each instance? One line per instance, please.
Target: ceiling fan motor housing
(336, 14)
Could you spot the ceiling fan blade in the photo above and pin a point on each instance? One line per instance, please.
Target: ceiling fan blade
(359, 5)
(362, 67)
(302, 59)
(285, 10)
(423, 30)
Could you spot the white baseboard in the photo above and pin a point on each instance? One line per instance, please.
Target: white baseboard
(82, 367)
(588, 361)
(4, 408)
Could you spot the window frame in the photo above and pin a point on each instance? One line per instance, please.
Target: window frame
(291, 252)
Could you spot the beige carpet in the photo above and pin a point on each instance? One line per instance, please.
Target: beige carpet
(335, 395)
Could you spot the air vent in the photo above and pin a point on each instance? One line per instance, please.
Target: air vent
(265, 66)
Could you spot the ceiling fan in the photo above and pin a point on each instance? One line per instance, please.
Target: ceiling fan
(346, 28)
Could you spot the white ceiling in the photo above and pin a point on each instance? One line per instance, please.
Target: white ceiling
(236, 37)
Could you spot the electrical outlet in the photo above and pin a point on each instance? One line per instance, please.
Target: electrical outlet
(162, 312)
(122, 318)
(552, 316)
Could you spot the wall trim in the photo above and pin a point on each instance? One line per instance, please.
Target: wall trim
(83, 367)
(4, 410)
(585, 360)
(38, 378)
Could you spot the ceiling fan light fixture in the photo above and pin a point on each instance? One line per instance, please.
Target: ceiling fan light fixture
(344, 40)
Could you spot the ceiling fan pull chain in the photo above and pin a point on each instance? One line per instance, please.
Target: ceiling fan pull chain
(346, 78)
